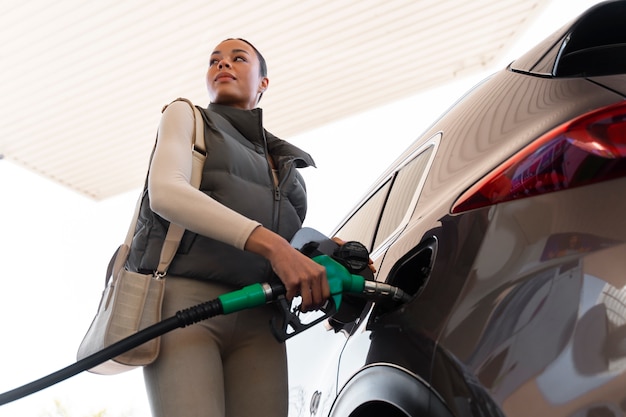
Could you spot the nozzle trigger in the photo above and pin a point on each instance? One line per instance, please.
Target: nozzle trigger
(290, 323)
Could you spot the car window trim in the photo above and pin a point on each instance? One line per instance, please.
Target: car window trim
(433, 142)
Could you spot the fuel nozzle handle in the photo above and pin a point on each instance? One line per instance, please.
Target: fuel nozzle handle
(341, 281)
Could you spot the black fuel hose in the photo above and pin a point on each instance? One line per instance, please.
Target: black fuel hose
(182, 318)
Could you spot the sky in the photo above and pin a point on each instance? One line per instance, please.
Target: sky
(55, 244)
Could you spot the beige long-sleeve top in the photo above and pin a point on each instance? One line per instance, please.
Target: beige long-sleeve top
(171, 194)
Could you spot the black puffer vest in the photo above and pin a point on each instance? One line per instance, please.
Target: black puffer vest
(237, 174)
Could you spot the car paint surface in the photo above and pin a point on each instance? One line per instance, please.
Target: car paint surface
(519, 307)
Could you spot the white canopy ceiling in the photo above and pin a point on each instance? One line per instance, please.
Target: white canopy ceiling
(83, 82)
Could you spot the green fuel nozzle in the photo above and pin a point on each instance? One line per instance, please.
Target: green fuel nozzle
(340, 282)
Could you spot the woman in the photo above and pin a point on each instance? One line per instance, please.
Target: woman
(250, 203)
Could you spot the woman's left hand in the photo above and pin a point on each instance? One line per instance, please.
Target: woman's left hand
(370, 263)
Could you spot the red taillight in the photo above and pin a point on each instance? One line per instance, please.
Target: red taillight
(585, 150)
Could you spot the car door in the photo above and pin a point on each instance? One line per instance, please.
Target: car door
(376, 223)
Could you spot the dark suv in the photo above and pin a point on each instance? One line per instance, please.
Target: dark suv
(506, 222)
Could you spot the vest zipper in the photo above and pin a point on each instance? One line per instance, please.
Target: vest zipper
(275, 182)
(276, 201)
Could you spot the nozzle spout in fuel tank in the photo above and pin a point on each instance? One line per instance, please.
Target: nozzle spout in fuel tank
(373, 290)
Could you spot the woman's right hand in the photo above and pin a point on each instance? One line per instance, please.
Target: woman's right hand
(300, 275)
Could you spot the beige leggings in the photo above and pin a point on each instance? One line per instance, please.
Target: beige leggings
(226, 366)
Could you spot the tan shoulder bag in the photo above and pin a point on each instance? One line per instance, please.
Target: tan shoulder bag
(132, 301)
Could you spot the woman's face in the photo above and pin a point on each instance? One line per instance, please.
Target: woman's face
(233, 77)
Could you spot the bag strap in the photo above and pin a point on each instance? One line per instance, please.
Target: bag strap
(174, 231)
